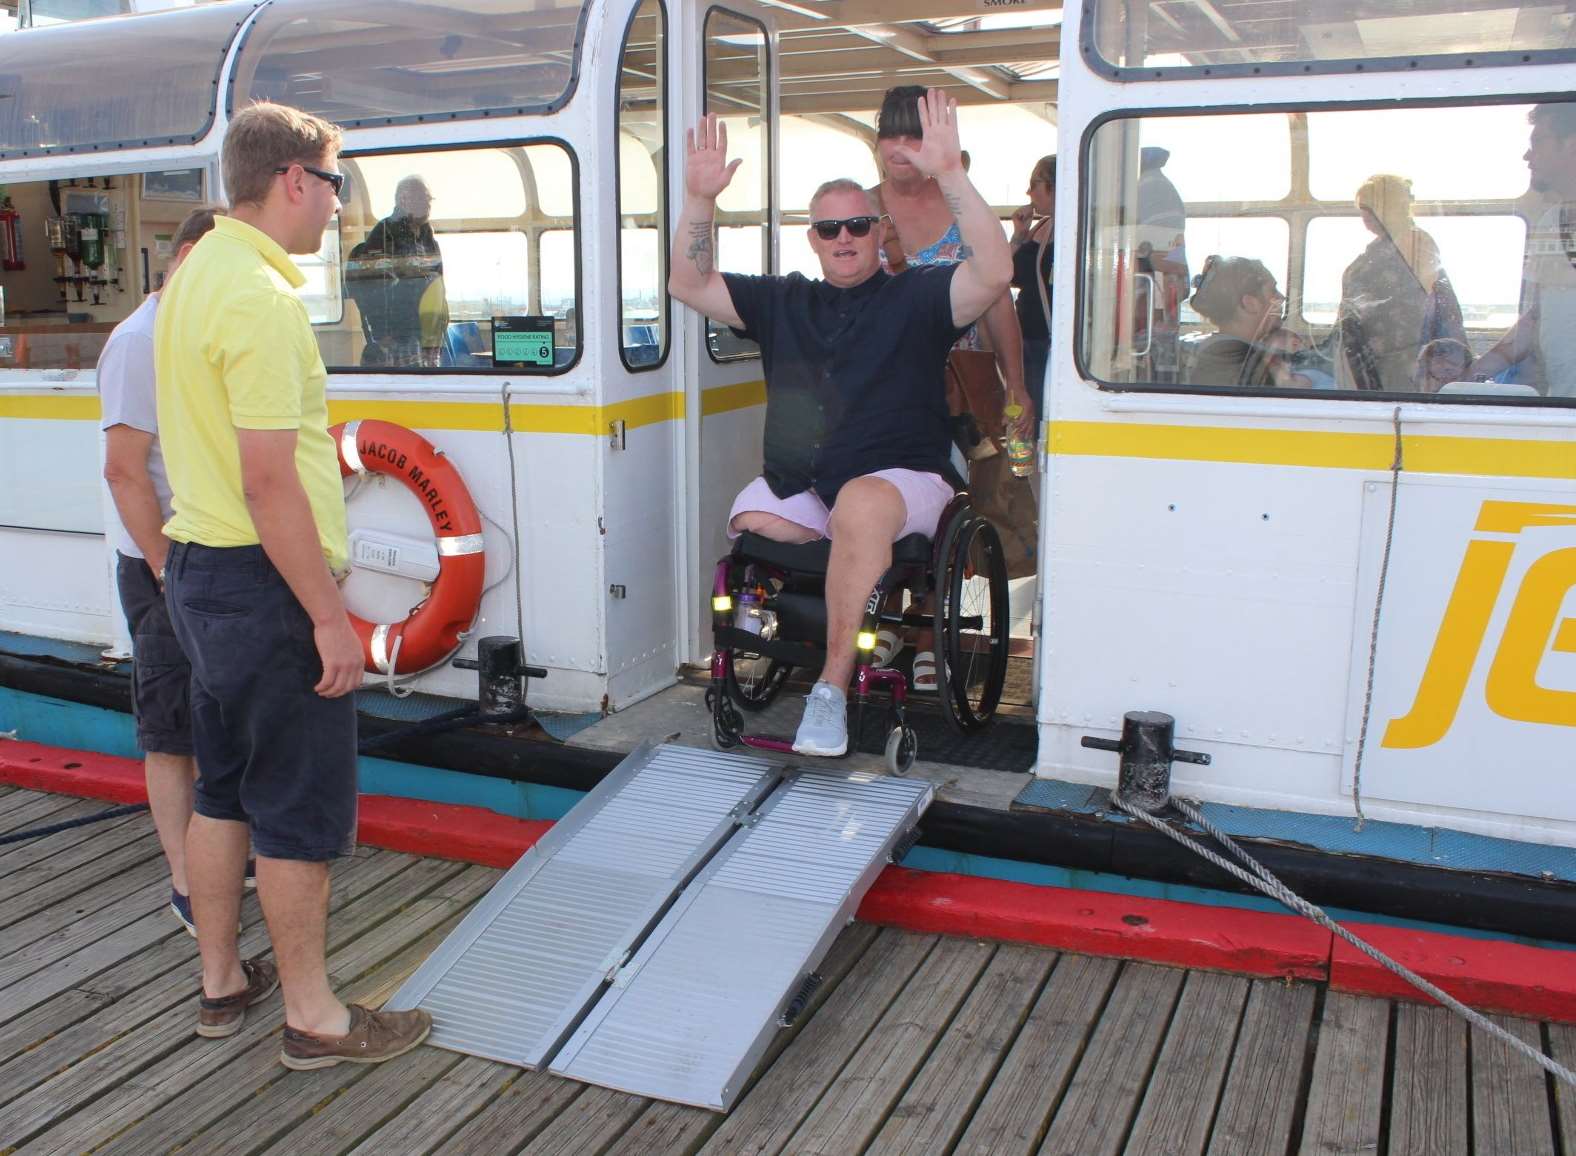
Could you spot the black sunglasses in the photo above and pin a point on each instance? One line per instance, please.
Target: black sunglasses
(856, 226)
(336, 181)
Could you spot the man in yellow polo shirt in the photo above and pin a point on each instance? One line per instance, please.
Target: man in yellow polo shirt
(259, 534)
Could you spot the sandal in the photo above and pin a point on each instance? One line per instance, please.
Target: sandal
(925, 671)
(886, 648)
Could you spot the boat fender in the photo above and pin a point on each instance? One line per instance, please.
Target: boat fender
(434, 629)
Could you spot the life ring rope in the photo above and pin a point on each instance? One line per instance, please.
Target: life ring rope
(436, 627)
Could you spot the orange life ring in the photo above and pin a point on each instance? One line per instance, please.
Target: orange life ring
(431, 632)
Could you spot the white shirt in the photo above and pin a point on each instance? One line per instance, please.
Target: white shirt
(127, 396)
(1551, 286)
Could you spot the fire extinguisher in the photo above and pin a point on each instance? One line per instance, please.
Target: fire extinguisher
(10, 236)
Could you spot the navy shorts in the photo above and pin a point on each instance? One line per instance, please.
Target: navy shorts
(271, 752)
(160, 675)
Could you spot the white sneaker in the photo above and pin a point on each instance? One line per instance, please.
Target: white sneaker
(824, 728)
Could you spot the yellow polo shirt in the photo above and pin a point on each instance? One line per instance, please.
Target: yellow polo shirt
(233, 349)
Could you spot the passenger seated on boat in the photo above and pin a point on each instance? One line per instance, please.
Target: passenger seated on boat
(857, 437)
(395, 277)
(1240, 296)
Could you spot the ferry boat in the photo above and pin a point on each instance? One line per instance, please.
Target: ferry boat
(1351, 587)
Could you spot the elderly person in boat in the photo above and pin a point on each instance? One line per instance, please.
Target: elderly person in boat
(857, 436)
(1395, 297)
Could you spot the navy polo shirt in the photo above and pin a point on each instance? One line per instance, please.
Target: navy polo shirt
(855, 378)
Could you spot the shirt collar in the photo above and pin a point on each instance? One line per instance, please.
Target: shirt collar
(829, 292)
(269, 249)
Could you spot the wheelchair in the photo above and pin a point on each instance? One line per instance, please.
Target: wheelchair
(769, 618)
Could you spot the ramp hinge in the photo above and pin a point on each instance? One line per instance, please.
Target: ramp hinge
(744, 816)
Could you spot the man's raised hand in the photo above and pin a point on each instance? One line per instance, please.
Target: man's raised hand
(707, 170)
(939, 151)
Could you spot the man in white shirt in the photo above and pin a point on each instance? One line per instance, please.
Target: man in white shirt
(1547, 328)
(134, 469)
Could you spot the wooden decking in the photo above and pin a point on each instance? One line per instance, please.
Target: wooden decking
(917, 1044)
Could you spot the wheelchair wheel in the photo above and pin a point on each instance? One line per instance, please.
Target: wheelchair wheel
(971, 622)
(902, 748)
(755, 681)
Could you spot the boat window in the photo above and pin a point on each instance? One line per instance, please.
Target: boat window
(452, 260)
(360, 62)
(77, 256)
(642, 190)
(737, 90)
(1141, 40)
(153, 81)
(1351, 256)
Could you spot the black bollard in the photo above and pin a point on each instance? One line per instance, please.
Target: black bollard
(500, 676)
(1147, 747)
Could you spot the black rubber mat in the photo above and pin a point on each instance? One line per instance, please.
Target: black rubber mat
(1002, 746)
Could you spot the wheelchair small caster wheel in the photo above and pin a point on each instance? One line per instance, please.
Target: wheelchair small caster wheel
(727, 724)
(902, 747)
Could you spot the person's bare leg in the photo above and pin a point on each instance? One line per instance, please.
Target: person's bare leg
(294, 895)
(215, 864)
(772, 526)
(169, 779)
(865, 521)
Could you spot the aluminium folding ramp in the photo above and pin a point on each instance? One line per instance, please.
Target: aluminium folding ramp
(655, 938)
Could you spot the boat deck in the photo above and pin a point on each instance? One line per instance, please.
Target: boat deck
(915, 1043)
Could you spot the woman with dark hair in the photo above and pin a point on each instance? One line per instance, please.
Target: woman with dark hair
(1395, 298)
(1031, 275)
(1240, 296)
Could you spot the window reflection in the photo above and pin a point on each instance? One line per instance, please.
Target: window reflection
(1303, 275)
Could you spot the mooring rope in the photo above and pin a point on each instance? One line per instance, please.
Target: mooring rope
(56, 828)
(1260, 879)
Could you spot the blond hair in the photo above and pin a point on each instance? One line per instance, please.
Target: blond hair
(1389, 198)
(266, 137)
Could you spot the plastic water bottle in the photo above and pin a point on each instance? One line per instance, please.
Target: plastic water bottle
(748, 614)
(1020, 452)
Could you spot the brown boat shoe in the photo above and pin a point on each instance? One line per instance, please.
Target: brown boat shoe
(374, 1036)
(217, 1018)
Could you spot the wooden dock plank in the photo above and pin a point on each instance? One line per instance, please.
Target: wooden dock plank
(772, 1110)
(587, 1124)
(1510, 1096)
(1012, 1118)
(203, 1085)
(520, 1110)
(937, 1105)
(1346, 1088)
(55, 880)
(441, 1109)
(1258, 1106)
(151, 1020)
(131, 1087)
(852, 1111)
(678, 1128)
(1428, 1089)
(61, 928)
(1184, 1090)
(82, 1021)
(332, 1109)
(1095, 1115)
(87, 847)
(15, 856)
(29, 809)
(1562, 1040)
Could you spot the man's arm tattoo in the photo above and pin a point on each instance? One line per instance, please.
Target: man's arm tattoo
(965, 252)
(699, 250)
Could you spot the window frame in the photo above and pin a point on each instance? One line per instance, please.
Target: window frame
(1085, 225)
(576, 216)
(543, 109)
(664, 240)
(1097, 63)
(769, 118)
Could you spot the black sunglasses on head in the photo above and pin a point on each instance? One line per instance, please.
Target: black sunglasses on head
(856, 226)
(336, 181)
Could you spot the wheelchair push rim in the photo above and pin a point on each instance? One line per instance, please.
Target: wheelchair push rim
(972, 623)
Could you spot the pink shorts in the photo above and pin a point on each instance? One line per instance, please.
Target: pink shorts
(925, 496)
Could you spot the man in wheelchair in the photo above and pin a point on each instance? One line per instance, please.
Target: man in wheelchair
(857, 436)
